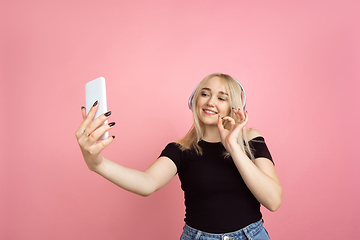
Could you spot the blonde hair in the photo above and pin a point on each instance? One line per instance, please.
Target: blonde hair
(196, 132)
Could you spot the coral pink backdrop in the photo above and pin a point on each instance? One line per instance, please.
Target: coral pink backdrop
(298, 61)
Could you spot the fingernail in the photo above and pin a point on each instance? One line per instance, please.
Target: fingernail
(219, 115)
(82, 107)
(111, 124)
(95, 103)
(107, 114)
(113, 137)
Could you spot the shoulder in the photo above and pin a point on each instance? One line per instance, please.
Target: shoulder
(172, 151)
(174, 146)
(259, 147)
(252, 133)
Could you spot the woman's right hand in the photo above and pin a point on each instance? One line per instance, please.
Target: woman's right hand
(88, 136)
(140, 182)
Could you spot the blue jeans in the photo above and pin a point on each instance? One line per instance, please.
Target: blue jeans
(254, 231)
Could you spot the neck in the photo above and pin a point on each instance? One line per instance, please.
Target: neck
(212, 134)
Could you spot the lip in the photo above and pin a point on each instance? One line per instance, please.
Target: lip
(209, 112)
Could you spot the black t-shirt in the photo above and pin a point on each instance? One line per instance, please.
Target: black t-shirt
(216, 197)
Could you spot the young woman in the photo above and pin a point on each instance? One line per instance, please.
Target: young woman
(226, 171)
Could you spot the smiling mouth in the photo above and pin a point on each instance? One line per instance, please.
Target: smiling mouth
(209, 112)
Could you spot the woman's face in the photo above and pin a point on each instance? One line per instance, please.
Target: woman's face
(213, 101)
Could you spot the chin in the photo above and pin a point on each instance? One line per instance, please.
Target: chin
(208, 122)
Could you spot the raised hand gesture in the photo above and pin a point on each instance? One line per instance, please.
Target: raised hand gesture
(230, 137)
(89, 133)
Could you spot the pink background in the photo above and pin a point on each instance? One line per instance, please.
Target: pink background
(298, 61)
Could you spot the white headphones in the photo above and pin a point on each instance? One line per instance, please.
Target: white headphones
(193, 94)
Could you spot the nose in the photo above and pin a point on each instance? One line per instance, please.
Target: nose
(210, 102)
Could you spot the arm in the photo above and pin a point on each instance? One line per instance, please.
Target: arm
(135, 181)
(142, 183)
(259, 176)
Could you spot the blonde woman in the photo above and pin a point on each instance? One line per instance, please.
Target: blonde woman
(226, 171)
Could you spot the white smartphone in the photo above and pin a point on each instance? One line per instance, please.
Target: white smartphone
(95, 90)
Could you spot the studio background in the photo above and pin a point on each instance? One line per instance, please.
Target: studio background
(298, 61)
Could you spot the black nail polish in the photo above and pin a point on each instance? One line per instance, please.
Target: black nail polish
(82, 107)
(113, 137)
(111, 124)
(95, 103)
(107, 114)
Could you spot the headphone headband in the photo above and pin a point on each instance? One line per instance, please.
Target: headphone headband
(193, 94)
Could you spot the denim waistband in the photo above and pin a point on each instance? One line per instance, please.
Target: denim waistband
(244, 233)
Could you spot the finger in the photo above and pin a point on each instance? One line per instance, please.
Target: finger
(235, 128)
(91, 114)
(243, 115)
(98, 147)
(239, 115)
(94, 137)
(83, 112)
(241, 120)
(231, 121)
(236, 114)
(246, 117)
(219, 123)
(87, 120)
(97, 123)
(94, 149)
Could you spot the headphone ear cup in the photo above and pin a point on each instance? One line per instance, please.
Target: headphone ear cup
(243, 95)
(191, 99)
(190, 102)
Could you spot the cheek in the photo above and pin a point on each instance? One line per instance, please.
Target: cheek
(227, 109)
(200, 102)
(198, 106)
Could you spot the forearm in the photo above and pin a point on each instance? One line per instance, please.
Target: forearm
(266, 189)
(131, 180)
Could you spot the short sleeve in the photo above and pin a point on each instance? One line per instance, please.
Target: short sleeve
(259, 148)
(173, 151)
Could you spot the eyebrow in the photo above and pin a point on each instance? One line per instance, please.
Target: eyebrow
(221, 92)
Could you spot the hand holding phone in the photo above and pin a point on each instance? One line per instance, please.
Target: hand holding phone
(95, 90)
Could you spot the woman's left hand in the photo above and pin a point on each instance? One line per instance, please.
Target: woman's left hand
(230, 137)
